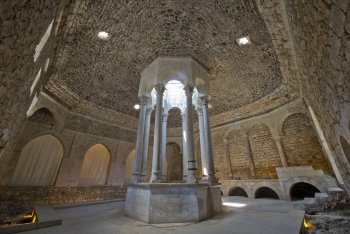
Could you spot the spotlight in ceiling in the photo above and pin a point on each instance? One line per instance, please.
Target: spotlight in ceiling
(136, 106)
(244, 41)
(103, 35)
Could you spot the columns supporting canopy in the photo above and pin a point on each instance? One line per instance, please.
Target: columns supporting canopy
(202, 142)
(139, 140)
(145, 143)
(208, 145)
(192, 167)
(163, 146)
(157, 133)
(184, 147)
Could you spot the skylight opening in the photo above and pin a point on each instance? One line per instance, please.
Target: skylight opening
(103, 35)
(42, 42)
(244, 41)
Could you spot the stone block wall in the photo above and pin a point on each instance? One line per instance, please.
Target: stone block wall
(321, 31)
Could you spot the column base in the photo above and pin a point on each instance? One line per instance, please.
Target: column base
(191, 178)
(154, 178)
(212, 180)
(134, 179)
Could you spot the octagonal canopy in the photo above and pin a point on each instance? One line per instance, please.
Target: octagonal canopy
(183, 69)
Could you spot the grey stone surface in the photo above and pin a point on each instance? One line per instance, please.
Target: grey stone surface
(172, 203)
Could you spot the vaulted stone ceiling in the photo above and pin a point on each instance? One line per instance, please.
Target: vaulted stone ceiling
(105, 73)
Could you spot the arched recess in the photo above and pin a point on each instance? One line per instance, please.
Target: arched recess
(129, 165)
(174, 162)
(238, 149)
(266, 192)
(301, 190)
(237, 191)
(42, 117)
(264, 151)
(301, 145)
(95, 166)
(346, 148)
(39, 162)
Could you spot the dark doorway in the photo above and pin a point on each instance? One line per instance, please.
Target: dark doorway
(301, 190)
(237, 191)
(265, 192)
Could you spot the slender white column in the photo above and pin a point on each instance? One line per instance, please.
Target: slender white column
(209, 150)
(184, 147)
(139, 140)
(145, 143)
(202, 142)
(281, 152)
(192, 167)
(157, 133)
(163, 149)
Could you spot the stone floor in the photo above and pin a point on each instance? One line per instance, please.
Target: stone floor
(241, 215)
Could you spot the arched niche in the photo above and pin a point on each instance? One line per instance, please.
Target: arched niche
(129, 164)
(95, 166)
(238, 148)
(301, 190)
(345, 147)
(39, 162)
(301, 145)
(238, 192)
(266, 192)
(264, 151)
(174, 162)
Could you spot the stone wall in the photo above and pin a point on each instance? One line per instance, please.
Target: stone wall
(301, 145)
(248, 149)
(16, 200)
(321, 33)
(23, 24)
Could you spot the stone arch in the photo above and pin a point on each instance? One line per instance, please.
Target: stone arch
(39, 162)
(129, 166)
(237, 191)
(238, 148)
(301, 190)
(95, 166)
(174, 162)
(43, 116)
(301, 145)
(345, 147)
(264, 151)
(266, 192)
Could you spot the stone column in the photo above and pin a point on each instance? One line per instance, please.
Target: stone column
(208, 146)
(281, 152)
(184, 147)
(145, 143)
(157, 133)
(228, 156)
(192, 167)
(202, 142)
(163, 147)
(139, 141)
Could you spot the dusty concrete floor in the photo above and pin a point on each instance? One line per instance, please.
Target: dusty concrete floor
(241, 215)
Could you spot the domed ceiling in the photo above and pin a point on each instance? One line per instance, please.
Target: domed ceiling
(106, 73)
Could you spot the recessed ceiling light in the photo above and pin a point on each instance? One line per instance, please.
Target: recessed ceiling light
(244, 41)
(103, 35)
(136, 106)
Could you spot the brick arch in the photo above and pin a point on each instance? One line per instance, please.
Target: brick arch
(237, 143)
(301, 145)
(264, 151)
(237, 191)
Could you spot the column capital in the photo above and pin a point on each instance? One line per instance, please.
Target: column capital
(188, 90)
(160, 88)
(144, 100)
(149, 110)
(199, 109)
(204, 100)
